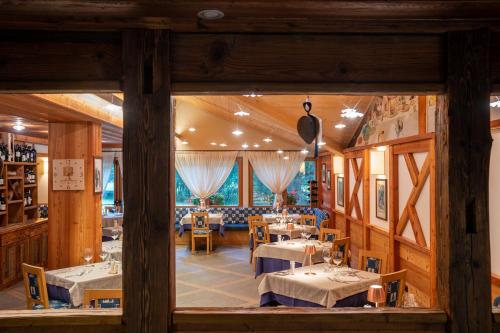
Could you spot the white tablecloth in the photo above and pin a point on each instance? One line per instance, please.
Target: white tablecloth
(77, 279)
(296, 232)
(271, 218)
(324, 288)
(292, 250)
(113, 248)
(110, 219)
(108, 232)
(212, 219)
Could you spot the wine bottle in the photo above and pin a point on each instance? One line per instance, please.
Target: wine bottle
(17, 153)
(3, 205)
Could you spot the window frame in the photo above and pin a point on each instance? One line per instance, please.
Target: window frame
(239, 161)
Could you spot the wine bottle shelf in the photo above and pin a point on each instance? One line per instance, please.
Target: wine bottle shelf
(14, 178)
(15, 201)
(30, 207)
(29, 185)
(3, 212)
(20, 163)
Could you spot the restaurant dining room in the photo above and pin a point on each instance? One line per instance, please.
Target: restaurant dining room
(280, 201)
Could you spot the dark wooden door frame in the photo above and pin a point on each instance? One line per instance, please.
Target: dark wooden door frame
(156, 63)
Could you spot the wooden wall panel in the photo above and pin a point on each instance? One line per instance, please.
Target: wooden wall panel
(75, 216)
(327, 195)
(379, 240)
(356, 234)
(419, 272)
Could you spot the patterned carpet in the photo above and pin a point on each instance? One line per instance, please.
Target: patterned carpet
(222, 279)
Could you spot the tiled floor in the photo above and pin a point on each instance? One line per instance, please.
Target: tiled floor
(223, 278)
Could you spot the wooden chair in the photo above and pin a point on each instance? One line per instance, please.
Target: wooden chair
(35, 287)
(324, 224)
(200, 228)
(102, 298)
(251, 220)
(372, 261)
(394, 286)
(343, 245)
(261, 235)
(308, 220)
(329, 235)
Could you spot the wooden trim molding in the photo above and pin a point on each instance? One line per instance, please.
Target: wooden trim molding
(494, 124)
(412, 138)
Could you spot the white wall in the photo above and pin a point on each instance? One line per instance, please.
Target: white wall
(43, 180)
(494, 203)
(373, 214)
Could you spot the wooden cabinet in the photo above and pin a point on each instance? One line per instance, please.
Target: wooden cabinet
(23, 243)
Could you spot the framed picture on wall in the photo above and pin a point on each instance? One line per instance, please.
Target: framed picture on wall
(340, 191)
(381, 198)
(323, 173)
(97, 174)
(328, 180)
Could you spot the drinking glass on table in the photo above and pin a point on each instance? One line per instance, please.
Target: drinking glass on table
(103, 255)
(337, 258)
(327, 258)
(308, 235)
(115, 233)
(88, 255)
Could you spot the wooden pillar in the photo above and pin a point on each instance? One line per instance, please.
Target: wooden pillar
(75, 216)
(462, 166)
(148, 169)
(366, 198)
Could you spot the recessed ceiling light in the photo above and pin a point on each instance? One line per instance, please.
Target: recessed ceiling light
(340, 126)
(256, 145)
(321, 143)
(242, 113)
(19, 127)
(185, 142)
(244, 146)
(268, 139)
(350, 113)
(286, 158)
(237, 132)
(304, 151)
(222, 145)
(210, 14)
(279, 151)
(253, 95)
(192, 129)
(213, 143)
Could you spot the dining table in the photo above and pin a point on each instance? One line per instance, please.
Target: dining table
(338, 287)
(215, 223)
(109, 232)
(277, 256)
(69, 284)
(274, 218)
(113, 249)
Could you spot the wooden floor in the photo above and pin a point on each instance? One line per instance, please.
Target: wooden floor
(225, 278)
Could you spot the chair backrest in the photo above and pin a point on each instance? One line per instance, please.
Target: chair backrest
(35, 286)
(372, 261)
(199, 220)
(329, 235)
(260, 233)
(343, 245)
(102, 298)
(324, 224)
(394, 286)
(308, 219)
(496, 302)
(252, 219)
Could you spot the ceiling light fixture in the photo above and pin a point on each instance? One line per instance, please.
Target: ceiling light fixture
(340, 126)
(304, 151)
(321, 143)
(222, 145)
(279, 151)
(253, 95)
(213, 143)
(244, 146)
(241, 113)
(286, 158)
(192, 129)
(267, 140)
(210, 14)
(237, 132)
(185, 142)
(256, 145)
(350, 113)
(19, 127)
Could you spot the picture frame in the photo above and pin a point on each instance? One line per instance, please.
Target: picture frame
(323, 173)
(97, 174)
(328, 180)
(381, 199)
(340, 191)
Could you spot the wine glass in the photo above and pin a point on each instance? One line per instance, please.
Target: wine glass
(337, 258)
(303, 234)
(308, 235)
(103, 255)
(327, 257)
(115, 233)
(88, 255)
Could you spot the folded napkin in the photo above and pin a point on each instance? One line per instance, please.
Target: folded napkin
(346, 278)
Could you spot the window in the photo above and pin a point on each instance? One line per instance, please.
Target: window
(298, 191)
(228, 194)
(261, 195)
(108, 192)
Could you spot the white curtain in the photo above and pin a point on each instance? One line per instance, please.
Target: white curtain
(275, 171)
(204, 172)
